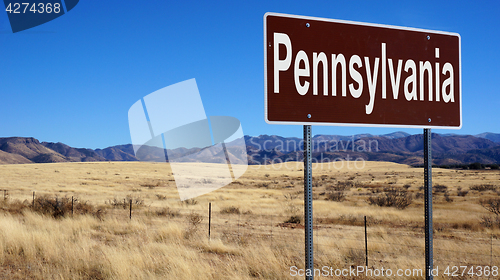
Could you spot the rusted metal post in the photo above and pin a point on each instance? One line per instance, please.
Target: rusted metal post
(209, 218)
(131, 209)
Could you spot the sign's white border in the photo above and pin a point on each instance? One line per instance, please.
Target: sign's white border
(365, 24)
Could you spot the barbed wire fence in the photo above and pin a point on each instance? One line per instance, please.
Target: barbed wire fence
(372, 243)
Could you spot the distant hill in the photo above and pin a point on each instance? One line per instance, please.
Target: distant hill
(395, 135)
(73, 154)
(446, 150)
(117, 153)
(495, 137)
(8, 158)
(30, 149)
(490, 153)
(400, 147)
(440, 144)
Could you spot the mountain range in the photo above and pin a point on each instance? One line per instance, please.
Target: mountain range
(400, 147)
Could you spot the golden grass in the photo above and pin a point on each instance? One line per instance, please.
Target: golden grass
(162, 241)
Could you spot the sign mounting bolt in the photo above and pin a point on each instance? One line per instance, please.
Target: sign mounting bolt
(308, 116)
(307, 24)
(429, 119)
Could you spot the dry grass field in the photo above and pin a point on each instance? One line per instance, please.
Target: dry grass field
(256, 230)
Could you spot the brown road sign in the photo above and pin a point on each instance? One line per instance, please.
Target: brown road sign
(331, 72)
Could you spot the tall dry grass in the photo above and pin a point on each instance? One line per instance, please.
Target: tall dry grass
(39, 247)
(165, 240)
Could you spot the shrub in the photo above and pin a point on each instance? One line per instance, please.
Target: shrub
(194, 220)
(392, 197)
(345, 185)
(161, 196)
(483, 187)
(60, 207)
(355, 257)
(264, 185)
(462, 193)
(447, 197)
(290, 206)
(190, 201)
(137, 201)
(167, 212)
(475, 166)
(295, 219)
(492, 205)
(125, 203)
(342, 186)
(115, 203)
(51, 206)
(14, 206)
(350, 220)
(490, 222)
(99, 214)
(338, 196)
(440, 188)
(82, 207)
(230, 210)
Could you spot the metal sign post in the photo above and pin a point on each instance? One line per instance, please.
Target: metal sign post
(428, 203)
(308, 201)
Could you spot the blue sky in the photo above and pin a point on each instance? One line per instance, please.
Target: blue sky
(73, 79)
